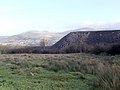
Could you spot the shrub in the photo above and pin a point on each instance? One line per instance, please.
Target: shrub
(108, 77)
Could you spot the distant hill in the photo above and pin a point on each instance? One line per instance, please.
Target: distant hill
(31, 38)
(107, 41)
(82, 40)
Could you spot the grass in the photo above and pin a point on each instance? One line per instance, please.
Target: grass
(59, 72)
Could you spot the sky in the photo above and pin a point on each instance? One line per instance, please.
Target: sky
(18, 16)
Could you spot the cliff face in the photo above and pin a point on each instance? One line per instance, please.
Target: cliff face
(88, 38)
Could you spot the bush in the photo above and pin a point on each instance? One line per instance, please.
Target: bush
(108, 77)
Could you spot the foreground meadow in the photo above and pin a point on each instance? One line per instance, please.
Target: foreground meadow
(59, 72)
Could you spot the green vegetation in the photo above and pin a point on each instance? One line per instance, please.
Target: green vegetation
(59, 72)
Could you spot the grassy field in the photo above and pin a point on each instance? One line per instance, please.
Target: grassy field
(59, 72)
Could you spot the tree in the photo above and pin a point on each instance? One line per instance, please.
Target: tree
(43, 43)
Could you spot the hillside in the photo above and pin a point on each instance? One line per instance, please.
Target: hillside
(31, 38)
(88, 39)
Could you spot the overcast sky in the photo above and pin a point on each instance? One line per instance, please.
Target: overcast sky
(18, 16)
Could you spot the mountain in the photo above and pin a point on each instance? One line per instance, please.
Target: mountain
(31, 38)
(88, 39)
